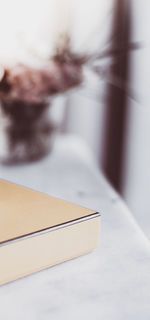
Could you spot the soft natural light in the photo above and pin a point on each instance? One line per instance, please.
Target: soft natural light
(26, 24)
(31, 29)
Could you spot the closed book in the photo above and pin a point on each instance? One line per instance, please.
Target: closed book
(38, 231)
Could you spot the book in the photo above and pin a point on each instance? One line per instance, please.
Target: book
(38, 231)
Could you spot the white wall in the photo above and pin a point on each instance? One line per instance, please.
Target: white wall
(137, 149)
(85, 114)
(86, 108)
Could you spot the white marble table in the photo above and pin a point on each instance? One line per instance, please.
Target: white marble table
(113, 282)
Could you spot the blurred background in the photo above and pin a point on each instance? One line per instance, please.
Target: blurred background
(113, 115)
(111, 110)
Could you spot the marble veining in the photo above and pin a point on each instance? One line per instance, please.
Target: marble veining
(112, 282)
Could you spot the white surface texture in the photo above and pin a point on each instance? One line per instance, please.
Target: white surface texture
(113, 282)
(137, 147)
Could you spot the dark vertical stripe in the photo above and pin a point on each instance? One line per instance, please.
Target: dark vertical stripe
(116, 106)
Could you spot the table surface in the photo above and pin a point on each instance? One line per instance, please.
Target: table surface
(113, 282)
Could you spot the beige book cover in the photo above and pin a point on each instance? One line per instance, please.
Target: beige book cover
(38, 231)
